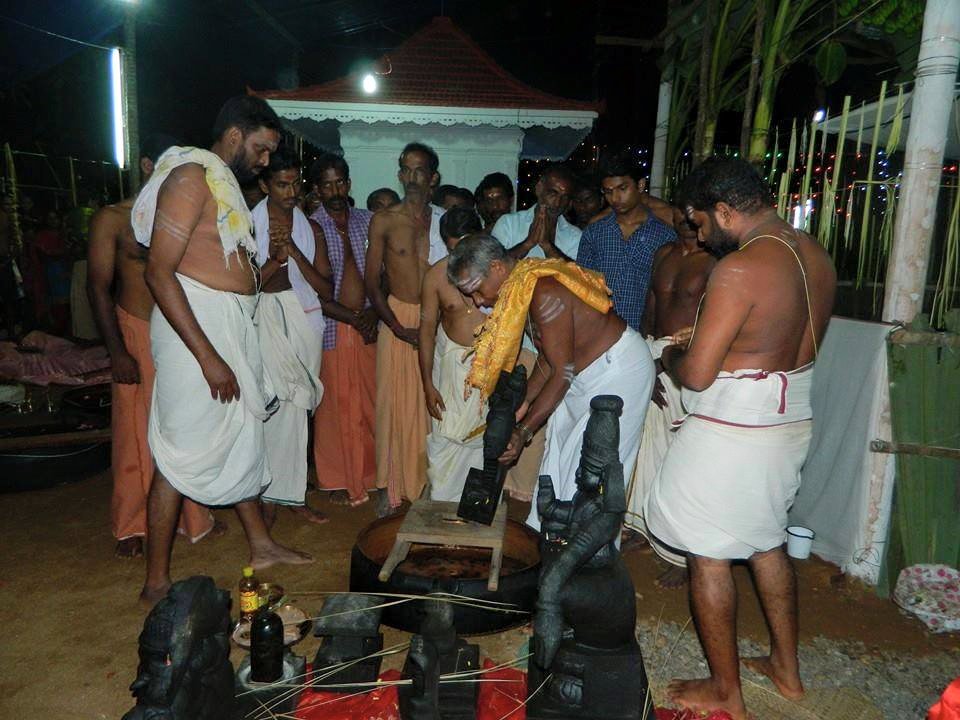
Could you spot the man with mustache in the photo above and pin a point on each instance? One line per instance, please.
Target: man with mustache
(733, 469)
(210, 400)
(622, 245)
(404, 242)
(343, 425)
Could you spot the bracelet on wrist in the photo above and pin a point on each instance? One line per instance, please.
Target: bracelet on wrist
(526, 434)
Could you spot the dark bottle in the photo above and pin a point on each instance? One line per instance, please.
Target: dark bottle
(266, 646)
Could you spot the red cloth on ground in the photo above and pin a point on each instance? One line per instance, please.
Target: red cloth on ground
(948, 707)
(57, 361)
(495, 701)
(380, 704)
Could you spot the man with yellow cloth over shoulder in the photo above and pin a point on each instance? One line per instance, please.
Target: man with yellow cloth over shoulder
(585, 350)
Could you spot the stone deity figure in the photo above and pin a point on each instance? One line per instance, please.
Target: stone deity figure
(586, 608)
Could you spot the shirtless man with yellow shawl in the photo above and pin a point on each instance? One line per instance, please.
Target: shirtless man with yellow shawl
(732, 471)
(585, 350)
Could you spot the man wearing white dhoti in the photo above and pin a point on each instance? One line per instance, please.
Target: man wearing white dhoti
(730, 474)
(210, 399)
(585, 350)
(290, 326)
(680, 272)
(447, 323)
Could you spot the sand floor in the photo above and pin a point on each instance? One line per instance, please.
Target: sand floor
(71, 620)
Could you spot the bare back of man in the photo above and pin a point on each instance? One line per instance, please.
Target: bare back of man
(203, 258)
(785, 277)
(131, 292)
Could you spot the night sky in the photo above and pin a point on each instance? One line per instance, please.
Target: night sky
(193, 54)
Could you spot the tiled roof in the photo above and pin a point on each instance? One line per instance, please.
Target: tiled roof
(438, 66)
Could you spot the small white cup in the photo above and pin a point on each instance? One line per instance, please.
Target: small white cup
(799, 541)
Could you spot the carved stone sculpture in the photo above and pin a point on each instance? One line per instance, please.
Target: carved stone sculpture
(349, 626)
(437, 651)
(585, 611)
(482, 488)
(185, 671)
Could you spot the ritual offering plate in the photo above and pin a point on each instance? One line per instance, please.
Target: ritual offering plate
(295, 626)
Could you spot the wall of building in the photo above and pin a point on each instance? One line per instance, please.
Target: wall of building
(466, 153)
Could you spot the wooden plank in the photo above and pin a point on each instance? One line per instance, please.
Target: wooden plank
(882, 446)
(911, 337)
(32, 442)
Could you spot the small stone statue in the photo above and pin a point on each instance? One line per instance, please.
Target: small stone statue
(585, 611)
(437, 651)
(185, 671)
(420, 700)
(482, 488)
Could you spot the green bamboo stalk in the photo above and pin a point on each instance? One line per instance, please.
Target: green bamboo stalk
(860, 129)
(885, 243)
(768, 83)
(805, 185)
(826, 229)
(950, 266)
(783, 198)
(773, 157)
(893, 139)
(871, 163)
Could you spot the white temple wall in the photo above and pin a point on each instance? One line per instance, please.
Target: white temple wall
(466, 153)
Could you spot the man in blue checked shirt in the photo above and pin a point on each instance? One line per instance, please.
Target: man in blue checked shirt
(622, 244)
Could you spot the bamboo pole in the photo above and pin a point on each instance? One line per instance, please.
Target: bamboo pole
(73, 182)
(827, 227)
(805, 185)
(865, 245)
(897, 448)
(933, 96)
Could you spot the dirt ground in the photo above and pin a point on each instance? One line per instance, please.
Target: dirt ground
(71, 620)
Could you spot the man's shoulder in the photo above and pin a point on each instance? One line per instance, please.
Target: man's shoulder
(190, 175)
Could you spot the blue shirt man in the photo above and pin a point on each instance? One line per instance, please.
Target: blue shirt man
(622, 245)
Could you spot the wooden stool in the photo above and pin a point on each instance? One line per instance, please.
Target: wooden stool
(430, 522)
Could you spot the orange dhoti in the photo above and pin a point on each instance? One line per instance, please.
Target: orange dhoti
(131, 461)
(343, 425)
(402, 420)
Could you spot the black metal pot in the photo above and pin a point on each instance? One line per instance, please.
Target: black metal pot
(518, 587)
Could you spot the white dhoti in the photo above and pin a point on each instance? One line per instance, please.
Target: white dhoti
(449, 454)
(291, 348)
(626, 370)
(733, 469)
(212, 452)
(657, 435)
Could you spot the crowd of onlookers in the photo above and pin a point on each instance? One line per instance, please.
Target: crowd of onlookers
(38, 249)
(41, 289)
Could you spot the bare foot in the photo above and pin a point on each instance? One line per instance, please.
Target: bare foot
(673, 578)
(309, 514)
(788, 683)
(150, 596)
(339, 497)
(277, 554)
(632, 540)
(705, 696)
(130, 547)
(360, 500)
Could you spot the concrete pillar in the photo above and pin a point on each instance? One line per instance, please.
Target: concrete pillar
(131, 109)
(659, 163)
(933, 97)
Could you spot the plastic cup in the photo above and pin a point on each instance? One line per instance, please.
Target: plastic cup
(799, 542)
